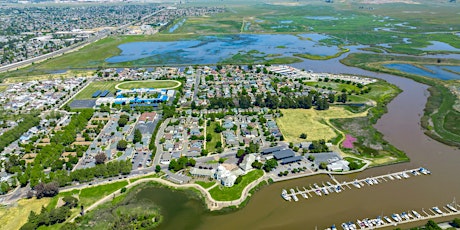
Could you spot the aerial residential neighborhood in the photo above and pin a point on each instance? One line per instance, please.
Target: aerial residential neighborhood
(126, 114)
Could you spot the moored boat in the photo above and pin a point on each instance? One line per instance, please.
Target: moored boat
(285, 195)
(437, 210)
(452, 208)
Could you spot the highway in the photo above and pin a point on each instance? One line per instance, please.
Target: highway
(71, 48)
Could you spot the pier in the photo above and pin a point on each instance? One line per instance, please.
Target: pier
(402, 218)
(337, 187)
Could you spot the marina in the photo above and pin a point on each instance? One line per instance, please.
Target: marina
(329, 188)
(400, 218)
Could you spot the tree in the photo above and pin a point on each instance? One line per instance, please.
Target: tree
(353, 165)
(258, 165)
(137, 136)
(157, 168)
(303, 136)
(46, 190)
(238, 179)
(456, 223)
(311, 158)
(122, 121)
(431, 225)
(208, 137)
(100, 158)
(122, 145)
(270, 164)
(240, 153)
(70, 201)
(323, 165)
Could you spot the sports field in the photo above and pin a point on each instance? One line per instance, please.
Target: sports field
(157, 84)
(87, 92)
(312, 122)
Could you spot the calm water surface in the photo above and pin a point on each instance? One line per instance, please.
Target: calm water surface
(435, 71)
(400, 126)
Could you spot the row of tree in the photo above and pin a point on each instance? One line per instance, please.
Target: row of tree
(29, 121)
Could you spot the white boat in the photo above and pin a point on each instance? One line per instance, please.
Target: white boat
(391, 177)
(325, 191)
(318, 192)
(410, 215)
(360, 224)
(285, 195)
(304, 195)
(405, 175)
(405, 216)
(345, 226)
(397, 177)
(388, 219)
(437, 210)
(293, 194)
(333, 227)
(416, 214)
(395, 218)
(356, 184)
(452, 208)
(369, 181)
(424, 171)
(338, 189)
(399, 217)
(352, 225)
(375, 180)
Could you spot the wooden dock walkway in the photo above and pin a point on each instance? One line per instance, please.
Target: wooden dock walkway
(338, 187)
(444, 211)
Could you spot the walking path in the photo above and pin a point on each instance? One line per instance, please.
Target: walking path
(211, 203)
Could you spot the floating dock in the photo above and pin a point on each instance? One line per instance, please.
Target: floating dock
(401, 218)
(329, 188)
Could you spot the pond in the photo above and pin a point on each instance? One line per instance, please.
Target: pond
(215, 49)
(436, 45)
(322, 18)
(433, 71)
(177, 25)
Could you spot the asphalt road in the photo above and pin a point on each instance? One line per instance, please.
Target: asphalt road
(74, 47)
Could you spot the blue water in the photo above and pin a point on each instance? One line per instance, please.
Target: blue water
(214, 49)
(177, 25)
(435, 46)
(437, 71)
(323, 18)
(286, 22)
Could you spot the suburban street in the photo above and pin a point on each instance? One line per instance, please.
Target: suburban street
(72, 48)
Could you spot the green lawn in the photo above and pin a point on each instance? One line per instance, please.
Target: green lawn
(3, 88)
(211, 145)
(359, 162)
(222, 193)
(205, 184)
(158, 84)
(90, 195)
(95, 86)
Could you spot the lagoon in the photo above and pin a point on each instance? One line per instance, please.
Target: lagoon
(215, 49)
(433, 71)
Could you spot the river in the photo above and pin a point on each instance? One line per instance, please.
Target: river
(401, 127)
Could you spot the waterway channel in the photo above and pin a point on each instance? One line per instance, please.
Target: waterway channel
(400, 126)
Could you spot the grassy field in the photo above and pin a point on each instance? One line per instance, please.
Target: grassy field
(87, 92)
(90, 195)
(222, 193)
(205, 184)
(211, 145)
(3, 88)
(313, 123)
(68, 74)
(158, 84)
(16, 216)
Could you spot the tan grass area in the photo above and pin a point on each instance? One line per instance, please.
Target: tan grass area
(311, 122)
(16, 216)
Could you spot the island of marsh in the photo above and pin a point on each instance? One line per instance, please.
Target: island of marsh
(439, 118)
